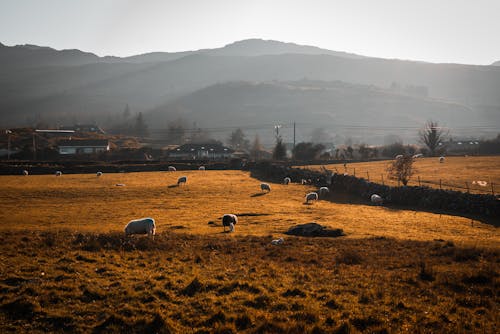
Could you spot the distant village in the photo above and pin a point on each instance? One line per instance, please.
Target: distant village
(91, 142)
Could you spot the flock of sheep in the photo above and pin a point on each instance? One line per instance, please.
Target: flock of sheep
(148, 226)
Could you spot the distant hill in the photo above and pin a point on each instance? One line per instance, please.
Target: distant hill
(497, 63)
(337, 106)
(39, 83)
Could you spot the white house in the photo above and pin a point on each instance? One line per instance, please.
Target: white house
(82, 146)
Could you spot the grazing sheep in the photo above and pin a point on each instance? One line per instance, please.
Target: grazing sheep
(376, 199)
(441, 159)
(98, 174)
(287, 180)
(171, 169)
(230, 220)
(58, 173)
(182, 180)
(399, 156)
(311, 197)
(416, 156)
(120, 185)
(265, 186)
(278, 241)
(303, 181)
(323, 191)
(201, 168)
(141, 226)
(25, 172)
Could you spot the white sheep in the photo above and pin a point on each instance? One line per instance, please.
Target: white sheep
(201, 168)
(323, 191)
(265, 186)
(181, 180)
(441, 159)
(376, 199)
(287, 180)
(120, 185)
(141, 226)
(311, 197)
(98, 174)
(303, 181)
(25, 172)
(416, 156)
(278, 241)
(230, 220)
(399, 156)
(171, 169)
(58, 173)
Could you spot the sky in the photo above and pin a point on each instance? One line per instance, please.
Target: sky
(441, 31)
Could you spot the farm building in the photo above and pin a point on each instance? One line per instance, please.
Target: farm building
(82, 146)
(201, 151)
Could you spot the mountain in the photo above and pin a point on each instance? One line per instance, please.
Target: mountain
(247, 48)
(38, 83)
(363, 112)
(497, 63)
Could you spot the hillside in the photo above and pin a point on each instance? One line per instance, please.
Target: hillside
(335, 106)
(61, 86)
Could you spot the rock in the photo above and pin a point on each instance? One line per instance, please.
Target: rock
(314, 230)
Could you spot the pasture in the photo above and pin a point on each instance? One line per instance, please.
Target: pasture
(66, 265)
(455, 173)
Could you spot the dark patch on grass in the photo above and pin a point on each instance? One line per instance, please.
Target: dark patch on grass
(349, 256)
(363, 324)
(21, 308)
(230, 288)
(193, 288)
(260, 302)
(243, 322)
(294, 293)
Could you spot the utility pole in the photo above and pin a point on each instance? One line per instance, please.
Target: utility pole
(34, 146)
(294, 135)
(8, 132)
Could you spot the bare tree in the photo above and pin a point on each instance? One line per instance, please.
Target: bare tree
(431, 135)
(401, 169)
(256, 148)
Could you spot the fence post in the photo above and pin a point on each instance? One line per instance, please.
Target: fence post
(368, 175)
(355, 171)
(382, 179)
(419, 184)
(440, 187)
(492, 189)
(467, 185)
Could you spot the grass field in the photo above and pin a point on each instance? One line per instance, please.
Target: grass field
(67, 267)
(454, 173)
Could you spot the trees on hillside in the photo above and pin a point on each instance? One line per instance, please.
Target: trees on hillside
(279, 152)
(237, 140)
(432, 135)
(307, 151)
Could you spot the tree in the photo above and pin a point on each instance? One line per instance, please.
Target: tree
(256, 148)
(307, 151)
(126, 112)
(141, 129)
(237, 140)
(176, 133)
(401, 169)
(432, 135)
(279, 152)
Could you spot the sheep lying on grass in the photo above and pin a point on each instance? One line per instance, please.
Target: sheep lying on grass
(141, 226)
(201, 168)
(265, 186)
(25, 172)
(171, 169)
(441, 159)
(58, 173)
(311, 197)
(181, 180)
(376, 199)
(98, 174)
(287, 180)
(229, 220)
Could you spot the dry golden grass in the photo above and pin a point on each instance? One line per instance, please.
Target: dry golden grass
(88, 203)
(66, 266)
(454, 172)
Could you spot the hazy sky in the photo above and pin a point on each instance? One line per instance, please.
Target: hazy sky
(460, 31)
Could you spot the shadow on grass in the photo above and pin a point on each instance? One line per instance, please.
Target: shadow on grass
(173, 186)
(258, 194)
